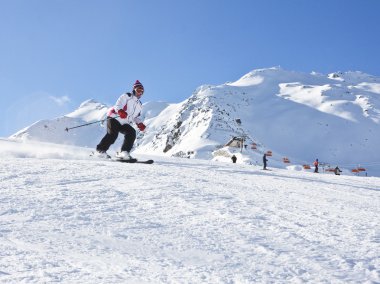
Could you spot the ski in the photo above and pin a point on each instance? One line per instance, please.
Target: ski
(131, 161)
(135, 161)
(145, 162)
(125, 161)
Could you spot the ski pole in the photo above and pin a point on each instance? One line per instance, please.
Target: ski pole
(69, 128)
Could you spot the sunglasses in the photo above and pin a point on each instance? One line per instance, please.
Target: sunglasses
(139, 90)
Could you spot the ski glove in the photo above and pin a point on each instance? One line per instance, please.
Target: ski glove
(122, 113)
(141, 126)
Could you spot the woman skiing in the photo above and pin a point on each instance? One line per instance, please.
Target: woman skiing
(125, 112)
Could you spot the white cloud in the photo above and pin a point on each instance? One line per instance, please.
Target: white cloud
(60, 100)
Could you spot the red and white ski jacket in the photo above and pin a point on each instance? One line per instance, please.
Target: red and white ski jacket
(131, 105)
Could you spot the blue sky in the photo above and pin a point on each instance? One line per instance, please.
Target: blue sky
(54, 54)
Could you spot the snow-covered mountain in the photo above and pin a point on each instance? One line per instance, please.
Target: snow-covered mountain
(53, 131)
(334, 117)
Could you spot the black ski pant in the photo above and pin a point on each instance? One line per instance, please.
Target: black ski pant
(113, 129)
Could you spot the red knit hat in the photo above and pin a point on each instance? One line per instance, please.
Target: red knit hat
(137, 84)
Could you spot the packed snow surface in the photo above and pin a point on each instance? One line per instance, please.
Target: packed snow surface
(69, 218)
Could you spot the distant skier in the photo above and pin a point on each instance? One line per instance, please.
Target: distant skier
(265, 160)
(233, 158)
(125, 112)
(316, 164)
(337, 171)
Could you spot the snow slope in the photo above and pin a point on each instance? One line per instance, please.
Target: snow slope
(334, 117)
(67, 218)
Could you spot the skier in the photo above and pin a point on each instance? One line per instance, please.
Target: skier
(125, 112)
(316, 163)
(233, 158)
(337, 171)
(265, 160)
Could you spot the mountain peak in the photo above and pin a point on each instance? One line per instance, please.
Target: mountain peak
(89, 110)
(354, 77)
(88, 102)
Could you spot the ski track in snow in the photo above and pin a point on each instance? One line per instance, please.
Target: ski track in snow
(184, 221)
